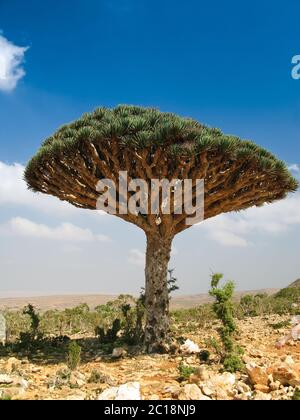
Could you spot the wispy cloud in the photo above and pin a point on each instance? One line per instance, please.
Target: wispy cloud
(236, 229)
(64, 232)
(14, 191)
(294, 167)
(11, 60)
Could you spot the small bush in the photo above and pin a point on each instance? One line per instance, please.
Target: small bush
(296, 396)
(185, 371)
(233, 363)
(74, 355)
(204, 355)
(224, 309)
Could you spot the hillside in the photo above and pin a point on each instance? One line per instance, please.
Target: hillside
(295, 284)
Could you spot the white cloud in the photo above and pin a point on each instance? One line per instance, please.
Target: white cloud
(136, 257)
(64, 232)
(294, 167)
(234, 229)
(11, 60)
(14, 191)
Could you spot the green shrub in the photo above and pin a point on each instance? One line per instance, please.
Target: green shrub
(204, 355)
(213, 343)
(74, 355)
(233, 363)
(185, 371)
(224, 308)
(296, 396)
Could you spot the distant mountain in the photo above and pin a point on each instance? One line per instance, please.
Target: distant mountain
(295, 284)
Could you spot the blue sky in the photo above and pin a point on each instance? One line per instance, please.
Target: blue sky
(227, 64)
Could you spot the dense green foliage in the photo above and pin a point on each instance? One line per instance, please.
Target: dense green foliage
(137, 127)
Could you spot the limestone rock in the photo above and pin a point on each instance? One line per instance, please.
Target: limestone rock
(189, 347)
(287, 374)
(119, 352)
(108, 394)
(129, 391)
(257, 375)
(192, 392)
(77, 379)
(6, 380)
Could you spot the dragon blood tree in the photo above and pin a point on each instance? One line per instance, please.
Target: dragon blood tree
(151, 145)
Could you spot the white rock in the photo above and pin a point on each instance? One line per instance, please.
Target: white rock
(119, 352)
(189, 347)
(207, 390)
(6, 380)
(129, 391)
(108, 394)
(192, 392)
(289, 360)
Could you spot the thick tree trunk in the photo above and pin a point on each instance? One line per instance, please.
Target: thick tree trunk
(157, 299)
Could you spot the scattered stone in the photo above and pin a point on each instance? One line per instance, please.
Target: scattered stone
(109, 394)
(77, 379)
(257, 375)
(209, 392)
(119, 352)
(274, 386)
(129, 391)
(242, 388)
(289, 360)
(293, 335)
(220, 387)
(286, 374)
(36, 369)
(262, 388)
(12, 386)
(261, 396)
(173, 389)
(189, 347)
(191, 392)
(6, 380)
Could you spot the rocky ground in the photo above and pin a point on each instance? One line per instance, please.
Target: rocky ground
(270, 373)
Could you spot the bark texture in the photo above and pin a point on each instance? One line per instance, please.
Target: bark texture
(157, 299)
